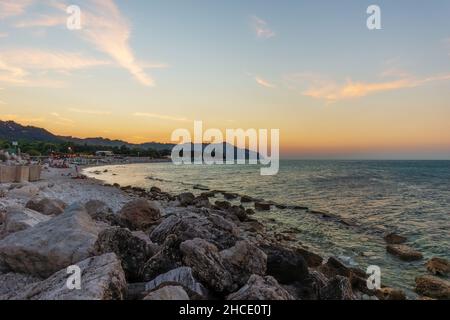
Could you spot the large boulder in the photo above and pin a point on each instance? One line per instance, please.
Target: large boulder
(404, 252)
(182, 276)
(438, 266)
(206, 263)
(338, 288)
(187, 226)
(285, 264)
(167, 258)
(140, 214)
(10, 283)
(243, 260)
(433, 287)
(102, 278)
(130, 249)
(261, 288)
(168, 293)
(49, 207)
(18, 219)
(51, 245)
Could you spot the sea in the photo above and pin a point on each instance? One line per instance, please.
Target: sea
(411, 198)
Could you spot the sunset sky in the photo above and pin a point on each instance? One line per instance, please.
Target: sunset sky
(139, 69)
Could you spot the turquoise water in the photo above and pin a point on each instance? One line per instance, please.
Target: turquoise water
(408, 197)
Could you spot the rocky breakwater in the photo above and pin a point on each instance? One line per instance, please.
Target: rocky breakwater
(171, 248)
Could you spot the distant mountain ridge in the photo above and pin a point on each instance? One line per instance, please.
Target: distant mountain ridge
(13, 131)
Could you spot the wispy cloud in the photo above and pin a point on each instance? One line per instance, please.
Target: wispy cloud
(22, 120)
(264, 82)
(19, 66)
(90, 111)
(42, 21)
(10, 8)
(61, 118)
(159, 116)
(261, 28)
(324, 88)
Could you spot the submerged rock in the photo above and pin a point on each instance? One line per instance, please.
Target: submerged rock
(47, 206)
(140, 214)
(182, 276)
(168, 293)
(390, 294)
(433, 287)
(246, 199)
(206, 263)
(393, 238)
(261, 288)
(262, 206)
(404, 252)
(51, 245)
(102, 279)
(438, 266)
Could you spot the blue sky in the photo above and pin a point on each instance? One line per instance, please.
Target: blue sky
(139, 69)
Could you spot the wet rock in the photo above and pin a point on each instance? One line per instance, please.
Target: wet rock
(206, 263)
(47, 206)
(168, 293)
(200, 187)
(262, 206)
(209, 194)
(102, 279)
(393, 238)
(433, 287)
(404, 252)
(140, 214)
(186, 199)
(246, 199)
(239, 212)
(230, 196)
(18, 219)
(312, 259)
(334, 267)
(219, 231)
(285, 264)
(166, 259)
(250, 211)
(261, 288)
(338, 288)
(438, 266)
(155, 190)
(243, 260)
(132, 251)
(51, 245)
(223, 205)
(390, 294)
(182, 276)
(201, 202)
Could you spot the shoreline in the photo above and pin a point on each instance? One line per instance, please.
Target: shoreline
(231, 230)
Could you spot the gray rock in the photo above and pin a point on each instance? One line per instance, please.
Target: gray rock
(206, 263)
(243, 260)
(11, 283)
(338, 288)
(186, 199)
(47, 206)
(102, 279)
(182, 276)
(51, 245)
(18, 219)
(140, 214)
(187, 226)
(166, 259)
(261, 288)
(132, 251)
(168, 293)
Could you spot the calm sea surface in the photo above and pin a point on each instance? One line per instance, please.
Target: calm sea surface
(408, 197)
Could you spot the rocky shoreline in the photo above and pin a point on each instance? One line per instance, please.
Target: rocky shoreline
(132, 243)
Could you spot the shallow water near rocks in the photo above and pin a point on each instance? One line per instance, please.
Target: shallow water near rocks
(411, 198)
